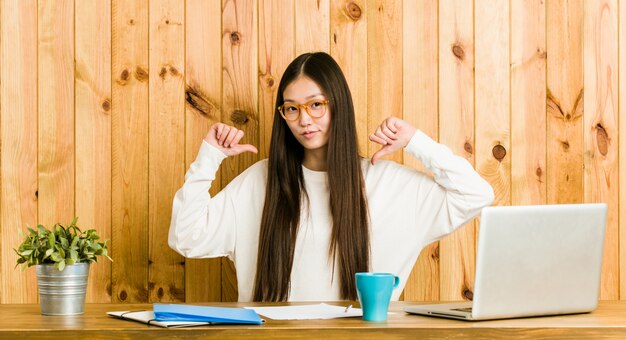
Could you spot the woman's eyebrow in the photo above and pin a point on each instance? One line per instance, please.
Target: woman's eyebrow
(309, 97)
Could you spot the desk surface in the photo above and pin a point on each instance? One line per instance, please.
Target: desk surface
(26, 322)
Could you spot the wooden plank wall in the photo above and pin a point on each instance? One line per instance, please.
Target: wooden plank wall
(104, 103)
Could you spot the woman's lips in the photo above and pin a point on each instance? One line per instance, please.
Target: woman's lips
(309, 134)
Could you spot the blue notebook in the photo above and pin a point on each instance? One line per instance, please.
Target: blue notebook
(178, 312)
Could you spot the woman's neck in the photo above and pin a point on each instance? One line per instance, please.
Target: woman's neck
(316, 159)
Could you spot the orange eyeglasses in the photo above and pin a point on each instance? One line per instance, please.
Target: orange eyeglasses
(315, 108)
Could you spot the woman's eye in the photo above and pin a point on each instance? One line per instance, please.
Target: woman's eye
(290, 108)
(315, 105)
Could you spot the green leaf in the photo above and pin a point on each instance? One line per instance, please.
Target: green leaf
(75, 240)
(27, 247)
(59, 245)
(48, 253)
(51, 240)
(56, 257)
(74, 255)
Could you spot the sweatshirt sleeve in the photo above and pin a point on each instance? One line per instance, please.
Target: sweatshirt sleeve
(456, 195)
(203, 226)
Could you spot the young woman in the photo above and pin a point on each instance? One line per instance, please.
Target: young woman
(300, 224)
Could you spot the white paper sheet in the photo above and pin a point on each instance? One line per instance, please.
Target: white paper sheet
(307, 312)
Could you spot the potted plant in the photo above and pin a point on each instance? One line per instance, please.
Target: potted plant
(61, 257)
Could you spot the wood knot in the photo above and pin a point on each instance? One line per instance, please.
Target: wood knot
(498, 152)
(239, 117)
(37, 193)
(141, 74)
(335, 38)
(177, 293)
(106, 105)
(458, 51)
(602, 139)
(167, 22)
(468, 147)
(354, 11)
(160, 293)
(538, 172)
(568, 116)
(468, 294)
(174, 71)
(131, 22)
(542, 54)
(565, 145)
(198, 102)
(270, 81)
(163, 72)
(123, 295)
(235, 38)
(435, 254)
(125, 75)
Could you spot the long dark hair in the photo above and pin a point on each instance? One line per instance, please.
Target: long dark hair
(349, 244)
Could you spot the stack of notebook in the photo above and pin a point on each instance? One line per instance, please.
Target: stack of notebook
(177, 315)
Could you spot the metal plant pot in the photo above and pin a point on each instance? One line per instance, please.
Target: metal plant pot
(62, 292)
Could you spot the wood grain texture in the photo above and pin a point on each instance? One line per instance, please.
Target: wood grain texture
(622, 151)
(564, 96)
(18, 146)
(203, 95)
(600, 137)
(420, 104)
(24, 321)
(166, 280)
(456, 114)
(129, 125)
(384, 66)
(93, 132)
(239, 98)
(348, 26)
(493, 139)
(55, 93)
(312, 26)
(411, 59)
(276, 51)
(528, 102)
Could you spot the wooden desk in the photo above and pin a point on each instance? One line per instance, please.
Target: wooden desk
(26, 322)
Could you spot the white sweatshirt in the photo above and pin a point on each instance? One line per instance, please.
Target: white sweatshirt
(408, 210)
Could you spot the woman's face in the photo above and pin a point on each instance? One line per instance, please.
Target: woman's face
(311, 132)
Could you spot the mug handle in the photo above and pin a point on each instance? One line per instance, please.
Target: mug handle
(396, 281)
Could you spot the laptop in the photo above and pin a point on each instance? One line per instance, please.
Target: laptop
(533, 261)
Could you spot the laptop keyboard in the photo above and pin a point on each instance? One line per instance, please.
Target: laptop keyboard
(466, 309)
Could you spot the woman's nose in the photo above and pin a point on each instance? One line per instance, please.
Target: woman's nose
(305, 118)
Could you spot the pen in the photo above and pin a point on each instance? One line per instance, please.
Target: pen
(347, 308)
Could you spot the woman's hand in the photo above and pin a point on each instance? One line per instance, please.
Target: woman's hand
(393, 134)
(226, 139)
